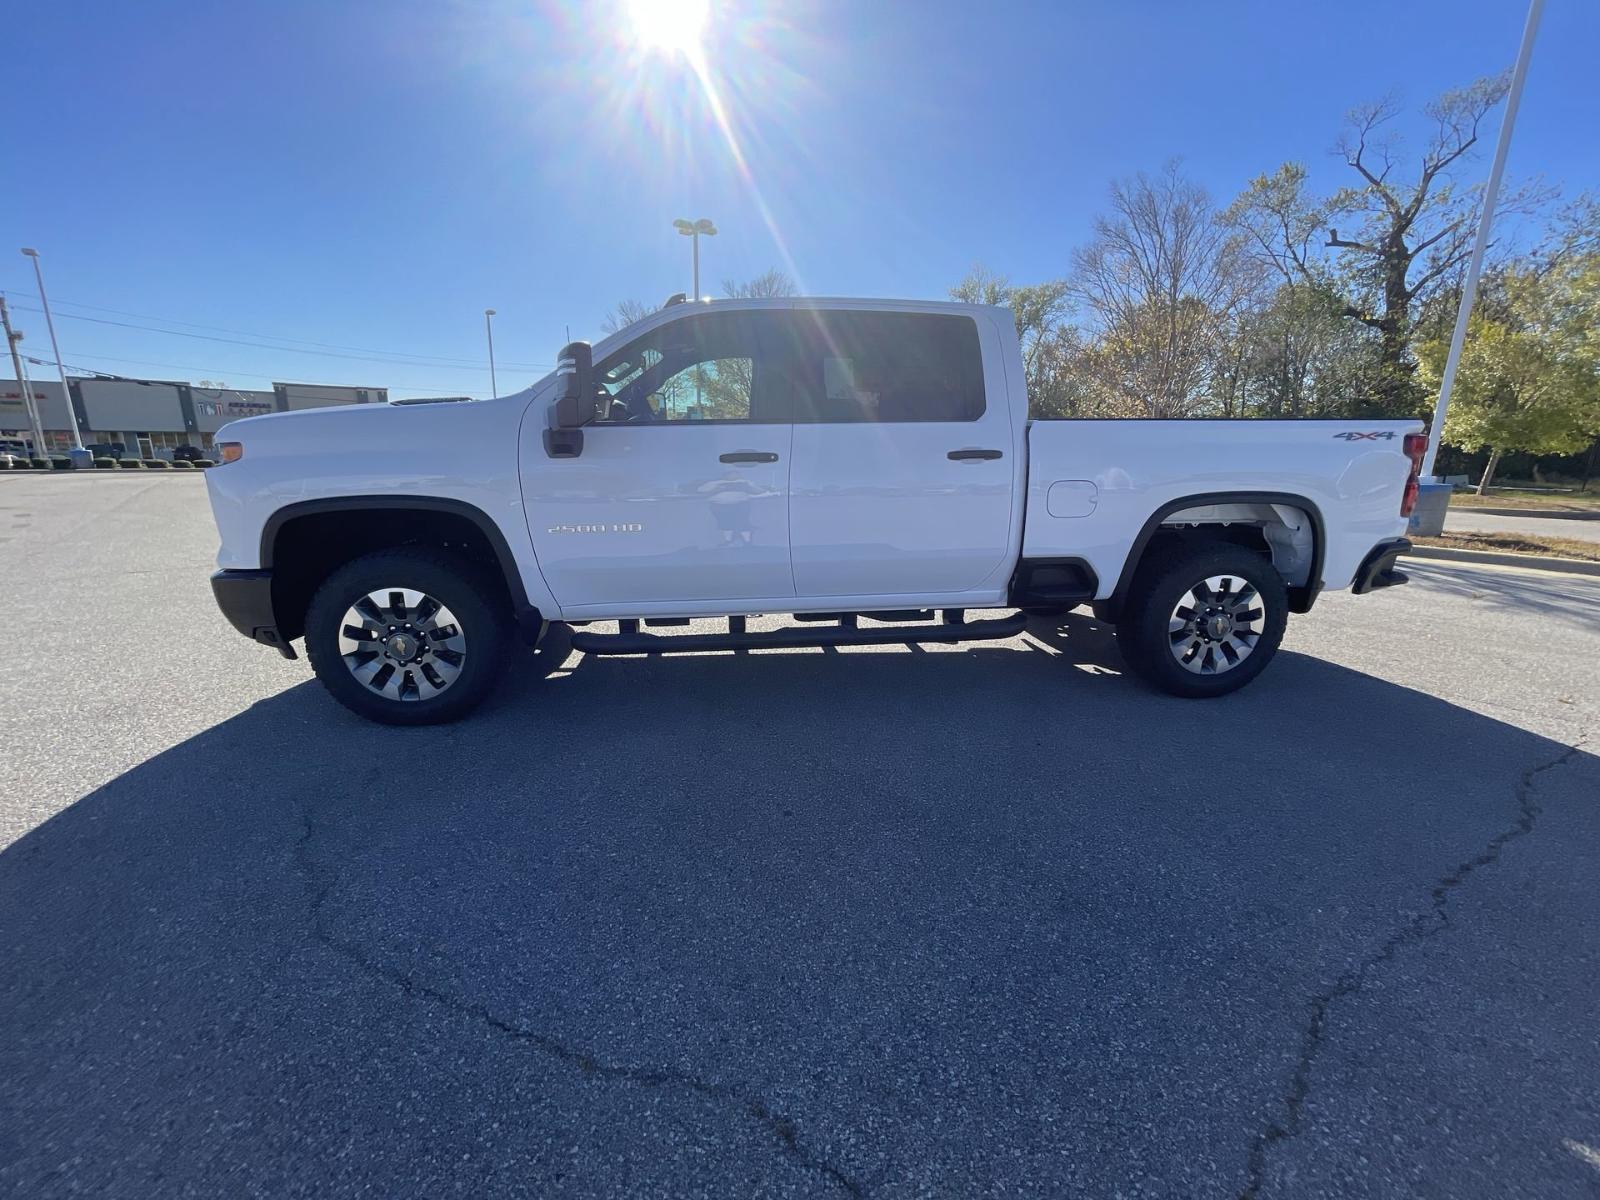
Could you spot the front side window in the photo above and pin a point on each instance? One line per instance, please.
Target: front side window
(869, 367)
(708, 367)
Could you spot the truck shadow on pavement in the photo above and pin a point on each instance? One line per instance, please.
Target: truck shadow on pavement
(945, 922)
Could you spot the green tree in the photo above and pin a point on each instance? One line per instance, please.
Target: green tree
(1529, 376)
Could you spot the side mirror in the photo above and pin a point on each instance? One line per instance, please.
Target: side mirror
(574, 403)
(574, 385)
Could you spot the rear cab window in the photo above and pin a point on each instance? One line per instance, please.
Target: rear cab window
(867, 367)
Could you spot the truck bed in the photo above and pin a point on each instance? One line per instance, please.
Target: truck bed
(1096, 488)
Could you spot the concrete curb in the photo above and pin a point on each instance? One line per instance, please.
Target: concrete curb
(1543, 514)
(106, 472)
(1492, 558)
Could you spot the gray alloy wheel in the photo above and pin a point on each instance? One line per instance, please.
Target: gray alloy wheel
(1216, 624)
(1203, 619)
(409, 636)
(402, 644)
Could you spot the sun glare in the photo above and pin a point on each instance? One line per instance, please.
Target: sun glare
(668, 26)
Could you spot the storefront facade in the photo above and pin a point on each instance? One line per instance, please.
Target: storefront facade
(150, 418)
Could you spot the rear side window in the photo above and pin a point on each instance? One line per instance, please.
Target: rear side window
(866, 367)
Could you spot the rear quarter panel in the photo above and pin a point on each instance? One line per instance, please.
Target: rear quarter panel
(1354, 483)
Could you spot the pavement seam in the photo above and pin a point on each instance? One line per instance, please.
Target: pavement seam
(783, 1128)
(1421, 927)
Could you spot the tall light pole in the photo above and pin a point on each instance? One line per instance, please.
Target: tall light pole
(28, 406)
(66, 393)
(1469, 289)
(488, 329)
(695, 230)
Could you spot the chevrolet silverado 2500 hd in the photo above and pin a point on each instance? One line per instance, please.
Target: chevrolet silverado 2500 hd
(867, 466)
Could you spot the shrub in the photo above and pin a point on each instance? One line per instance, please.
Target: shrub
(156, 464)
(203, 463)
(5, 464)
(131, 464)
(179, 465)
(41, 464)
(104, 463)
(60, 462)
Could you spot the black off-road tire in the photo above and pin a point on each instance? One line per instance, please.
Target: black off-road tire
(478, 606)
(1147, 641)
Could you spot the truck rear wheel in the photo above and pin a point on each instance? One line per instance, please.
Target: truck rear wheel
(1204, 621)
(407, 637)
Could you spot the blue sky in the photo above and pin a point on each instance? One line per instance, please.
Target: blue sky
(371, 176)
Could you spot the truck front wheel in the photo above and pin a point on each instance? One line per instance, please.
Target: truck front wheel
(407, 637)
(1204, 621)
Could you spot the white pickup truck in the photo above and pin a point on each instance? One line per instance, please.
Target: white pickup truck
(866, 465)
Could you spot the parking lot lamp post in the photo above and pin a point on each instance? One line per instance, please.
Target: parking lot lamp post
(12, 338)
(488, 329)
(1469, 288)
(695, 230)
(41, 450)
(66, 393)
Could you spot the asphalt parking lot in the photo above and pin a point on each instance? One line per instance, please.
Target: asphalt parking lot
(989, 920)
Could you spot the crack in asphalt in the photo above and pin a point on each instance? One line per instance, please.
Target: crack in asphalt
(782, 1127)
(1422, 926)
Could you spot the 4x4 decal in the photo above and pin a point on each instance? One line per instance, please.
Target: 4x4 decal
(1356, 436)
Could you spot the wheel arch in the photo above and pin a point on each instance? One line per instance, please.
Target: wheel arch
(302, 542)
(1301, 596)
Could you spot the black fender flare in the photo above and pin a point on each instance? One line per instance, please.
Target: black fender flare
(484, 523)
(1301, 598)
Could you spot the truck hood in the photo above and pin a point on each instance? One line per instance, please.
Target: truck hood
(308, 422)
(357, 423)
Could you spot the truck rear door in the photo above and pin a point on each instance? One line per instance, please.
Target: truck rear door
(902, 472)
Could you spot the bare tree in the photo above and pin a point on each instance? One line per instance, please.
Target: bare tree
(1164, 282)
(770, 284)
(1398, 238)
(627, 312)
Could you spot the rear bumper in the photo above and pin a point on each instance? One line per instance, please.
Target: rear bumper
(1377, 569)
(245, 598)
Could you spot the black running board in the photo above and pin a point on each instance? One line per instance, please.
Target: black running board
(954, 628)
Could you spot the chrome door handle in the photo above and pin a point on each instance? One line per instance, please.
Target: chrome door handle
(970, 455)
(748, 456)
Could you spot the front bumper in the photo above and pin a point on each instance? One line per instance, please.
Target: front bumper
(1377, 569)
(245, 598)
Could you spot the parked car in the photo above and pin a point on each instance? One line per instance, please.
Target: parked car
(868, 466)
(187, 453)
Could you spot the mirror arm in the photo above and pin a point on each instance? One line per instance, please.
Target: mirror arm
(563, 443)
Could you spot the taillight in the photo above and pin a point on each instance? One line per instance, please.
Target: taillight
(1416, 448)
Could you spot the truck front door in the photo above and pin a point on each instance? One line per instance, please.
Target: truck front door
(681, 491)
(903, 476)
